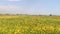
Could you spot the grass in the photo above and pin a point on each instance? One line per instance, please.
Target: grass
(29, 24)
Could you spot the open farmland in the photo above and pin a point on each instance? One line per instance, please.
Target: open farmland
(29, 24)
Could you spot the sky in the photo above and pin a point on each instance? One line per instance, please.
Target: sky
(31, 7)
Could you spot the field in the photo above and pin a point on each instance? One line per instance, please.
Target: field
(29, 24)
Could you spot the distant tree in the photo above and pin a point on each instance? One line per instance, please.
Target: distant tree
(1, 14)
(17, 14)
(6, 14)
(50, 15)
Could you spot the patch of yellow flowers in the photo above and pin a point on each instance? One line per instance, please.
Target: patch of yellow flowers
(9, 16)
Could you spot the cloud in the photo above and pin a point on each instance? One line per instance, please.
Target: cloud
(12, 9)
(14, 0)
(8, 7)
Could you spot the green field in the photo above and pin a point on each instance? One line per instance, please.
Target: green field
(29, 24)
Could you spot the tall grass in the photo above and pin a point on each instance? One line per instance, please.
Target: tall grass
(29, 25)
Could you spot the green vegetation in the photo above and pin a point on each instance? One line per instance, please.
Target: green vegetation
(30, 25)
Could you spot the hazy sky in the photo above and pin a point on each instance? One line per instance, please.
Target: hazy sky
(30, 6)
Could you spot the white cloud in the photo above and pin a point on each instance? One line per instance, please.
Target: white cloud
(6, 7)
(14, 0)
(12, 9)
